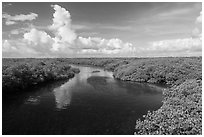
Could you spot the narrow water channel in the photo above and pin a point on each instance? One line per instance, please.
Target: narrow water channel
(92, 102)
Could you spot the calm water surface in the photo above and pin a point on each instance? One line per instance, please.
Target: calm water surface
(92, 102)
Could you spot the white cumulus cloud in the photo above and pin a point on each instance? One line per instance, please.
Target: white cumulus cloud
(65, 41)
(38, 40)
(104, 46)
(17, 48)
(62, 25)
(37, 37)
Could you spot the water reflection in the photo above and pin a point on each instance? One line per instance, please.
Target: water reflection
(63, 94)
(109, 85)
(86, 72)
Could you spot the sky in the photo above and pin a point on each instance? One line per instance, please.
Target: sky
(101, 29)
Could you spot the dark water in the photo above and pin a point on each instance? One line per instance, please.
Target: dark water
(93, 102)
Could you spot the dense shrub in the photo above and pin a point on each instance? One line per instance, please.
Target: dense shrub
(20, 74)
(161, 70)
(181, 112)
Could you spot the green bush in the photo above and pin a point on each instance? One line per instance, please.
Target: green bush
(180, 114)
(169, 71)
(22, 73)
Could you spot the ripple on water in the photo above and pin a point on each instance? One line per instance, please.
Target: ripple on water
(33, 100)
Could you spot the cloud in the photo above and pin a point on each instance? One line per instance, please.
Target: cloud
(20, 31)
(191, 45)
(62, 25)
(64, 42)
(39, 40)
(103, 46)
(15, 32)
(121, 28)
(27, 29)
(43, 43)
(37, 37)
(88, 34)
(6, 46)
(17, 48)
(23, 17)
(175, 12)
(199, 18)
(80, 27)
(197, 31)
(66, 39)
(10, 20)
(6, 5)
(177, 45)
(101, 26)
